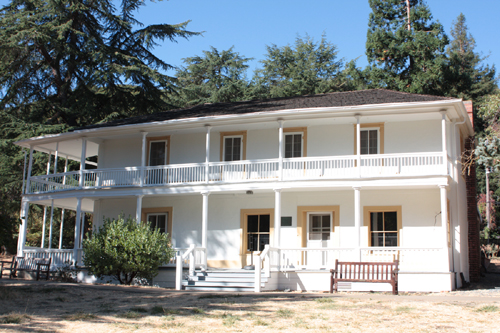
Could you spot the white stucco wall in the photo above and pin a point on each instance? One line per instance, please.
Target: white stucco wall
(414, 136)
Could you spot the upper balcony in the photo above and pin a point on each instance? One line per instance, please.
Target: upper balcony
(264, 170)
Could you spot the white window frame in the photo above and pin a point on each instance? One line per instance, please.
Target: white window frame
(166, 151)
(224, 146)
(158, 214)
(378, 138)
(301, 143)
(309, 214)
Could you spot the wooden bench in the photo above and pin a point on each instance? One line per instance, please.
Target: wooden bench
(380, 272)
(43, 266)
(10, 265)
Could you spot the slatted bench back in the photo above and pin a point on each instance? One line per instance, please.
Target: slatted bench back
(365, 271)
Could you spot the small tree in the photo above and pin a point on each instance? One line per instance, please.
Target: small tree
(126, 249)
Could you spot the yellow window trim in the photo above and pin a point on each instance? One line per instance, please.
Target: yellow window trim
(380, 127)
(302, 130)
(302, 212)
(378, 209)
(243, 225)
(159, 210)
(158, 138)
(235, 133)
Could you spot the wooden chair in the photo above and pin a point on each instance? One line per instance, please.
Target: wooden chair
(10, 266)
(43, 266)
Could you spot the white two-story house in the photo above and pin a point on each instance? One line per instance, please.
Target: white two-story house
(286, 185)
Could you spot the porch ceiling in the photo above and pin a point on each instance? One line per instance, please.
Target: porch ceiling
(68, 203)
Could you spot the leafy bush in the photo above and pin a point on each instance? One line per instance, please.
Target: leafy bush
(126, 249)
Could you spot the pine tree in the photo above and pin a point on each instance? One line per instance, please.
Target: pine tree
(466, 76)
(405, 48)
(308, 67)
(214, 77)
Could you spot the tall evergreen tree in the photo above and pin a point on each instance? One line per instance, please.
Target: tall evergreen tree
(405, 48)
(67, 63)
(466, 76)
(218, 76)
(308, 67)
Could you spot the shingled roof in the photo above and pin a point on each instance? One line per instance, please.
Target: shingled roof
(337, 99)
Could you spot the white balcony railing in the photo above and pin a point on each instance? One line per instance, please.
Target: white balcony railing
(304, 168)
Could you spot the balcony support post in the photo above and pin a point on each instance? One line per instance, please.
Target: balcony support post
(357, 220)
(207, 155)
(51, 221)
(358, 145)
(82, 228)
(443, 142)
(82, 161)
(277, 217)
(443, 189)
(43, 226)
(25, 205)
(143, 158)
(56, 156)
(61, 228)
(280, 150)
(138, 211)
(77, 228)
(30, 167)
(204, 223)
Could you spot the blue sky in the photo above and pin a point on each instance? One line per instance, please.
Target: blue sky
(251, 25)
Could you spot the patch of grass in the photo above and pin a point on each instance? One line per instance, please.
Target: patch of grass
(404, 308)
(229, 320)
(51, 289)
(81, 316)
(157, 309)
(324, 300)
(488, 308)
(169, 317)
(198, 311)
(284, 313)
(171, 311)
(219, 296)
(260, 322)
(14, 318)
(106, 307)
(138, 309)
(60, 299)
(8, 293)
(130, 315)
(301, 324)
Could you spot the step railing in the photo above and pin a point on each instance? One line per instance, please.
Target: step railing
(194, 257)
(303, 168)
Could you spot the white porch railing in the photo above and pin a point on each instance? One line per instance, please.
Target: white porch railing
(304, 168)
(410, 259)
(59, 257)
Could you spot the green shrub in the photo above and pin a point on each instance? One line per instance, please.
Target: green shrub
(126, 249)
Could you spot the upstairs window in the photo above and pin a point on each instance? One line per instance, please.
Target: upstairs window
(369, 141)
(295, 142)
(233, 148)
(158, 150)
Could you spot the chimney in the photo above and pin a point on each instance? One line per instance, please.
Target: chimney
(468, 107)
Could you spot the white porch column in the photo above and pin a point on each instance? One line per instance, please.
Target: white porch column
(56, 156)
(443, 142)
(82, 228)
(61, 228)
(277, 217)
(138, 211)
(358, 145)
(43, 226)
(204, 219)
(77, 227)
(207, 155)
(22, 230)
(443, 189)
(143, 159)
(357, 220)
(82, 161)
(280, 150)
(23, 189)
(30, 167)
(50, 225)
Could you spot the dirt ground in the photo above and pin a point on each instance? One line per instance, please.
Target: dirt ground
(31, 306)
